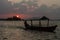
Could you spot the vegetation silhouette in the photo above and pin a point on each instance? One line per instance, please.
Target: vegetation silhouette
(14, 18)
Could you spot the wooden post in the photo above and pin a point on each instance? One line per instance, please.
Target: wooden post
(39, 23)
(48, 23)
(25, 23)
(31, 23)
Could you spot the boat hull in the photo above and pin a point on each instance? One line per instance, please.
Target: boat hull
(48, 29)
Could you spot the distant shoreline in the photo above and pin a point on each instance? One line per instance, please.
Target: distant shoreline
(23, 20)
(10, 20)
(14, 18)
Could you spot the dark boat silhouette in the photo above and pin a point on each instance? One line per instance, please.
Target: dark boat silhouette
(40, 28)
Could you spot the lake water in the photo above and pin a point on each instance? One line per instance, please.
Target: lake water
(9, 31)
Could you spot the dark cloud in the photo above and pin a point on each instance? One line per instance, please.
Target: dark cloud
(5, 6)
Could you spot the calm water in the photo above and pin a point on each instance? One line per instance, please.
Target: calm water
(9, 31)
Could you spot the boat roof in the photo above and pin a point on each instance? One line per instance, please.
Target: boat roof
(44, 18)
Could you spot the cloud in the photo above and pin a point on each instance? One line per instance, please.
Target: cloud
(44, 10)
(49, 2)
(15, 1)
(7, 8)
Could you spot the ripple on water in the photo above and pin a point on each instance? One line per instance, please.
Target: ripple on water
(20, 34)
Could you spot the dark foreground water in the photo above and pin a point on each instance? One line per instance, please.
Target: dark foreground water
(9, 31)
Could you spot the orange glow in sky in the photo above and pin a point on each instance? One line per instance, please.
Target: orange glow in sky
(22, 16)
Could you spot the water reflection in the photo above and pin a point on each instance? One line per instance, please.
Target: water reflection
(20, 34)
(36, 35)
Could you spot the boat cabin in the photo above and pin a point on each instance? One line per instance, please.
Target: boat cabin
(42, 22)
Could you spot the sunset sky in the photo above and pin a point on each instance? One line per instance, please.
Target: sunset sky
(28, 8)
(47, 2)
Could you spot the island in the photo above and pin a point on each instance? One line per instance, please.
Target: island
(14, 18)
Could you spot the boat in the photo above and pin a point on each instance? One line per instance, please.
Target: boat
(40, 28)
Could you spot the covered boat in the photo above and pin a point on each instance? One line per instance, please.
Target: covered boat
(40, 27)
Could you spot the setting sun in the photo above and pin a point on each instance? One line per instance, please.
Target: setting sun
(17, 16)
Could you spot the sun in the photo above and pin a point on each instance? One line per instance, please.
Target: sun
(17, 16)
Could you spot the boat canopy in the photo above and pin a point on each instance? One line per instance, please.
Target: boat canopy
(42, 21)
(44, 18)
